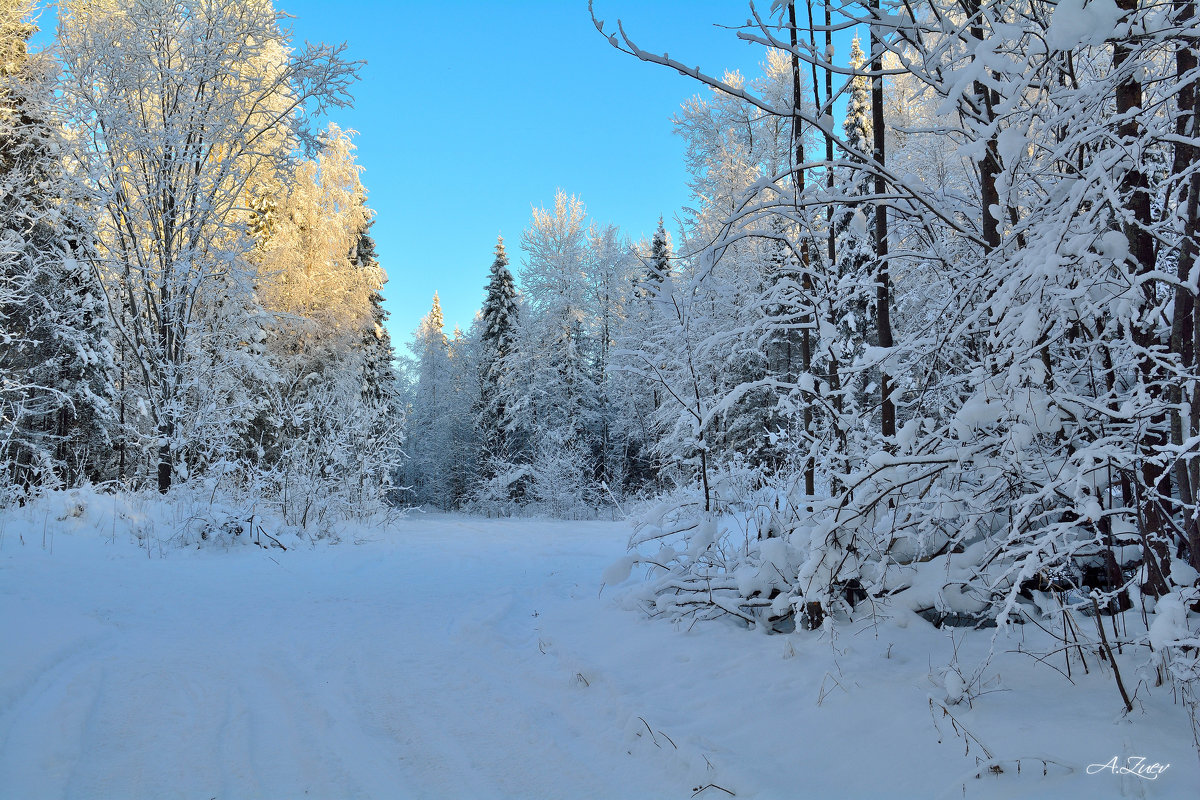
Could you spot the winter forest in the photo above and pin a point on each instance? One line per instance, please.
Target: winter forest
(915, 371)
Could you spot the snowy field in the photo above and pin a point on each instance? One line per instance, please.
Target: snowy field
(452, 657)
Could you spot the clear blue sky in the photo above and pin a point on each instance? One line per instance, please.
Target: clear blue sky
(471, 112)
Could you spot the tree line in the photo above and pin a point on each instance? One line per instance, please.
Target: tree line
(189, 288)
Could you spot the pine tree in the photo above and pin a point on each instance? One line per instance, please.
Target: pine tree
(499, 439)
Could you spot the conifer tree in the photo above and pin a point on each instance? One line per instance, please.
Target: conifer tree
(380, 386)
(499, 439)
(854, 226)
(856, 247)
(857, 124)
(54, 352)
(461, 417)
(660, 260)
(428, 469)
(379, 376)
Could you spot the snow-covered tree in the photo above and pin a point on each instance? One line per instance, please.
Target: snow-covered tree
(461, 419)
(56, 392)
(428, 470)
(502, 441)
(557, 347)
(981, 357)
(170, 177)
(324, 359)
(855, 223)
(658, 262)
(382, 420)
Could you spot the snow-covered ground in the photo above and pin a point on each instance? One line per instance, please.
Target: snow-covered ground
(459, 657)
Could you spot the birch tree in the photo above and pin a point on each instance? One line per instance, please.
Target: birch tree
(180, 104)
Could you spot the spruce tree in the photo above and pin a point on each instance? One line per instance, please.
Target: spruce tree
(499, 440)
(379, 374)
(854, 226)
(462, 416)
(856, 220)
(659, 268)
(55, 355)
(857, 124)
(427, 472)
(380, 385)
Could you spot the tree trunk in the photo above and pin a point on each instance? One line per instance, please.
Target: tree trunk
(1183, 395)
(166, 463)
(883, 283)
(805, 278)
(1135, 195)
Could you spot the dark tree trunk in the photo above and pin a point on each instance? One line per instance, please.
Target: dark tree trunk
(805, 277)
(1135, 194)
(1183, 323)
(883, 282)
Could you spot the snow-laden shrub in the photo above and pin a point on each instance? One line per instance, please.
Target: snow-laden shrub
(767, 554)
(200, 514)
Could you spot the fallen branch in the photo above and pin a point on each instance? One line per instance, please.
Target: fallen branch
(1111, 660)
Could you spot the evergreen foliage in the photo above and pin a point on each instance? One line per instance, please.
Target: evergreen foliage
(499, 435)
(56, 360)
(659, 266)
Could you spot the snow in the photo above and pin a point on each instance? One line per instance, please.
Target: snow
(1077, 22)
(446, 656)
(955, 687)
(1170, 625)
(619, 571)
(858, 223)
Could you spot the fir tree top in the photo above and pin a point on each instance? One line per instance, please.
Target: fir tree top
(501, 255)
(364, 250)
(500, 306)
(857, 123)
(436, 319)
(660, 254)
(432, 327)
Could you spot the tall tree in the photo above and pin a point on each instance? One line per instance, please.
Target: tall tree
(500, 438)
(883, 280)
(56, 393)
(461, 420)
(184, 101)
(854, 226)
(428, 471)
(560, 393)
(383, 418)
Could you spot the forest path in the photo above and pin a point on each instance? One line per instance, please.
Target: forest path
(450, 657)
(409, 665)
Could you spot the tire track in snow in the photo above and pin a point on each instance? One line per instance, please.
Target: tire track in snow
(347, 672)
(38, 740)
